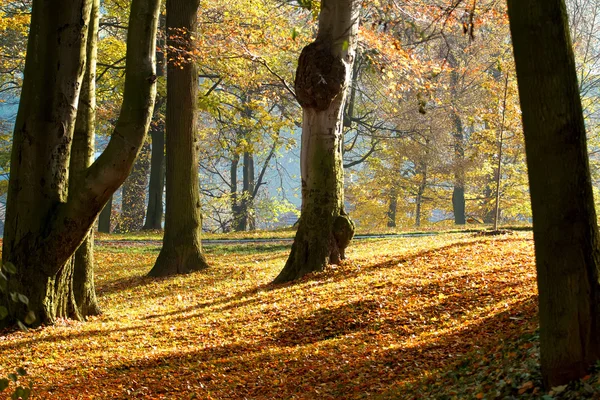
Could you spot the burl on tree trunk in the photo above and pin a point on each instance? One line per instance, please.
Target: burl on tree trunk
(323, 74)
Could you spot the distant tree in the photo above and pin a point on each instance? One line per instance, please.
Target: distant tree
(564, 219)
(46, 220)
(322, 78)
(182, 250)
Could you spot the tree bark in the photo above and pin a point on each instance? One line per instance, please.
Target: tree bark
(323, 74)
(564, 219)
(46, 220)
(181, 251)
(154, 213)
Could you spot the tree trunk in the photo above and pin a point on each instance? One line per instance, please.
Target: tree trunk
(45, 220)
(156, 186)
(392, 209)
(154, 213)
(82, 156)
(104, 218)
(133, 199)
(245, 215)
(564, 219)
(323, 74)
(235, 207)
(181, 251)
(420, 192)
(458, 194)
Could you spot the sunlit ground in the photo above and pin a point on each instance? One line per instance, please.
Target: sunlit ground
(396, 321)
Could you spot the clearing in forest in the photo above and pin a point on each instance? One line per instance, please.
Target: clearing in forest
(426, 317)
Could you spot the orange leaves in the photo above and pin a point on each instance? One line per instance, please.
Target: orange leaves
(401, 312)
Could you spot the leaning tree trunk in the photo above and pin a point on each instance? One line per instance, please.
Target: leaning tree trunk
(82, 156)
(323, 74)
(182, 250)
(46, 220)
(564, 219)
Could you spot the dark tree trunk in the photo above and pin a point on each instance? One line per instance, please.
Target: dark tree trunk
(181, 251)
(46, 221)
(235, 198)
(156, 186)
(154, 213)
(245, 214)
(104, 218)
(458, 194)
(564, 219)
(392, 209)
(323, 74)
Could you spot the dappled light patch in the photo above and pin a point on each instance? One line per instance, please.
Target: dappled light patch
(399, 315)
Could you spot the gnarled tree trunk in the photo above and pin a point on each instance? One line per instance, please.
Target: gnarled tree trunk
(323, 74)
(46, 221)
(182, 250)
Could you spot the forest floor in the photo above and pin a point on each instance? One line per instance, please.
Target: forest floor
(451, 316)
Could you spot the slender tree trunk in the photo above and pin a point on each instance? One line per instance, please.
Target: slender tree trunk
(323, 74)
(458, 194)
(82, 156)
(46, 220)
(154, 213)
(181, 251)
(392, 209)
(420, 192)
(564, 219)
(245, 211)
(104, 218)
(235, 207)
(156, 186)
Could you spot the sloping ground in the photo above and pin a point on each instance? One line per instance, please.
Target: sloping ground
(432, 317)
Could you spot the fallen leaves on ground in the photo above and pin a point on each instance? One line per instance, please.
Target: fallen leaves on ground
(402, 319)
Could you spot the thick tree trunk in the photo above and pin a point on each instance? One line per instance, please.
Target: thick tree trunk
(181, 251)
(323, 74)
(154, 213)
(133, 199)
(44, 226)
(564, 220)
(104, 218)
